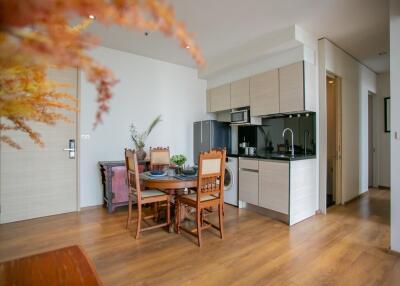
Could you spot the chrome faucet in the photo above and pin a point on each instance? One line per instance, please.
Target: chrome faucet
(306, 135)
(283, 136)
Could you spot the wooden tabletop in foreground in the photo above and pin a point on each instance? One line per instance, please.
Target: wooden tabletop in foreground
(64, 266)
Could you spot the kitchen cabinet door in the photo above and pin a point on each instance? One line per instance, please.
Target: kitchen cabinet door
(220, 98)
(274, 186)
(291, 88)
(248, 186)
(240, 93)
(264, 93)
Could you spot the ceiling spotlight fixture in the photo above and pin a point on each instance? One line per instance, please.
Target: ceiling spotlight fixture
(187, 47)
(330, 81)
(92, 17)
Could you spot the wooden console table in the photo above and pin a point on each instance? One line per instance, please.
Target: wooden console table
(113, 177)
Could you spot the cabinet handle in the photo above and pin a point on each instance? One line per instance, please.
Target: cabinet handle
(248, 170)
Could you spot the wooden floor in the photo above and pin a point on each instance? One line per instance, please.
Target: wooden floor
(346, 247)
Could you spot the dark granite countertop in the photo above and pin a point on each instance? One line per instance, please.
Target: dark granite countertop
(274, 156)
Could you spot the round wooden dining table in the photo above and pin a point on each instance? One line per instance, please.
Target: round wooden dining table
(167, 183)
(170, 185)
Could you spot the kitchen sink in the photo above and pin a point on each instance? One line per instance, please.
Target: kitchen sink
(280, 156)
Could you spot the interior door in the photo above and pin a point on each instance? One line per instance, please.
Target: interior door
(35, 181)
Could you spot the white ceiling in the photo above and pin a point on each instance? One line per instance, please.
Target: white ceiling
(361, 27)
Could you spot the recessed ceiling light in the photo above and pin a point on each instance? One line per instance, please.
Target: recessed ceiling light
(92, 17)
(187, 47)
(330, 81)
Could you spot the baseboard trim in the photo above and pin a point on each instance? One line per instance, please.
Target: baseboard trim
(393, 252)
(359, 196)
(383, 187)
(91, 207)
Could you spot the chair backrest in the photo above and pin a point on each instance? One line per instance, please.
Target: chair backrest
(159, 158)
(132, 171)
(211, 174)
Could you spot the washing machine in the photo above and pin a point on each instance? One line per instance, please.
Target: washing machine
(231, 194)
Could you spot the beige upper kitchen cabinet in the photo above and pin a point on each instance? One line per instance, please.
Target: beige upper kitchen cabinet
(264, 93)
(291, 88)
(219, 98)
(240, 93)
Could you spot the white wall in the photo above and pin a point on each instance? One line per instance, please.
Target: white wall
(381, 138)
(357, 81)
(146, 89)
(395, 122)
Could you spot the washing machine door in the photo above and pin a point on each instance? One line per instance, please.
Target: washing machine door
(229, 177)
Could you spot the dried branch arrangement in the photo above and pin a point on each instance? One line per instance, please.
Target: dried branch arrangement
(36, 35)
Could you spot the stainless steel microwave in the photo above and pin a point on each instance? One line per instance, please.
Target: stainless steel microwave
(240, 116)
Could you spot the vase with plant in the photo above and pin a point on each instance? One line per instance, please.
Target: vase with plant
(139, 139)
(179, 161)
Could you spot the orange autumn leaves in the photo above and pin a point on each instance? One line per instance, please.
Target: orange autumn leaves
(36, 34)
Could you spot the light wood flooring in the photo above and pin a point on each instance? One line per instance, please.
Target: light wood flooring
(348, 246)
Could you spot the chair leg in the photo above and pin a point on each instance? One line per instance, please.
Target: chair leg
(178, 216)
(128, 222)
(168, 211)
(221, 220)
(198, 224)
(139, 220)
(155, 209)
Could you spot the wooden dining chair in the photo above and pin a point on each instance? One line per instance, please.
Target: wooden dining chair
(142, 196)
(159, 158)
(210, 193)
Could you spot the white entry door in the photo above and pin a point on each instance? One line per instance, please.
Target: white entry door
(35, 181)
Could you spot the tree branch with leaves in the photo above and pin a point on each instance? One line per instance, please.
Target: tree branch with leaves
(36, 34)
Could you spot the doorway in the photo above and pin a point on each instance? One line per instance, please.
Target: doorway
(371, 147)
(334, 141)
(36, 181)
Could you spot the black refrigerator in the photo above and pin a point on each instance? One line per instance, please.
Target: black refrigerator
(210, 134)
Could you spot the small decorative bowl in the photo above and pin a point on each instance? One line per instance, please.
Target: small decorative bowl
(157, 173)
(189, 171)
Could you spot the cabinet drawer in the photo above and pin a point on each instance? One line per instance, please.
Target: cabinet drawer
(250, 164)
(248, 186)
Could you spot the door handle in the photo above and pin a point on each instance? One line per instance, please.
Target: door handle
(71, 148)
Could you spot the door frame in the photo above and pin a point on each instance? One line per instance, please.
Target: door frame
(78, 141)
(338, 116)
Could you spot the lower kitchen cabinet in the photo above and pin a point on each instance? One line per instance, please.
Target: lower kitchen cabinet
(286, 187)
(248, 180)
(248, 186)
(273, 186)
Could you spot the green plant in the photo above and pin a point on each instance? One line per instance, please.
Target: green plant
(139, 139)
(178, 160)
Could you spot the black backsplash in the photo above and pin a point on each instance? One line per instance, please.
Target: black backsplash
(268, 136)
